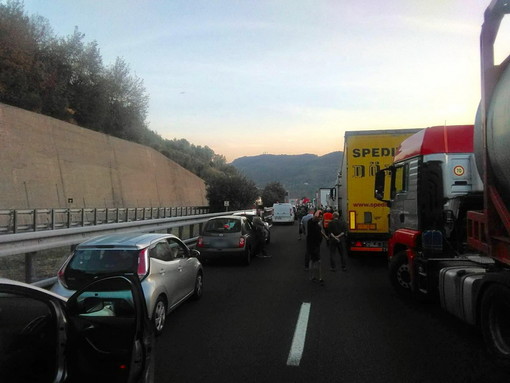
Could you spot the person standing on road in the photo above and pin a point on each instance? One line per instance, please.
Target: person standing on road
(326, 219)
(336, 241)
(304, 225)
(314, 237)
(302, 211)
(260, 237)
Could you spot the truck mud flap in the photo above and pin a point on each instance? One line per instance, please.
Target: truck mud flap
(458, 286)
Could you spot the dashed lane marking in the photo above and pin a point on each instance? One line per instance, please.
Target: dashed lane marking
(298, 342)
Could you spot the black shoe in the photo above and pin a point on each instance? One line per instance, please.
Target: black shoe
(321, 282)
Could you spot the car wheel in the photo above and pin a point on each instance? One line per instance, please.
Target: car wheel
(199, 286)
(400, 276)
(247, 256)
(159, 315)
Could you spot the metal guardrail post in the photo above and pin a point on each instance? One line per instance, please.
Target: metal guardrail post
(34, 222)
(29, 267)
(15, 222)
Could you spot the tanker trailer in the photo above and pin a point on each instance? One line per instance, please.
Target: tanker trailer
(460, 255)
(489, 229)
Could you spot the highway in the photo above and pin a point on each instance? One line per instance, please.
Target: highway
(269, 323)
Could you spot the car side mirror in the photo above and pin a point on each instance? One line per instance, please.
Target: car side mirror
(194, 253)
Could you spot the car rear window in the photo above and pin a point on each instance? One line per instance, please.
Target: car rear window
(104, 261)
(223, 225)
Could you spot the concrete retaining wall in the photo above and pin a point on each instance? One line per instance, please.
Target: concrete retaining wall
(47, 163)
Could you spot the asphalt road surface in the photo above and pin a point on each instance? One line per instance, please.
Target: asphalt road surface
(269, 323)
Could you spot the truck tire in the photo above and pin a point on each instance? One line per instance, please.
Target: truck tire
(494, 320)
(399, 274)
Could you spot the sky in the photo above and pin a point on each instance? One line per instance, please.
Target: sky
(287, 76)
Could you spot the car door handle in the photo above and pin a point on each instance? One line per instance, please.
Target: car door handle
(162, 271)
(179, 268)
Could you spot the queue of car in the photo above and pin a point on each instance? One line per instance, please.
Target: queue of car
(112, 297)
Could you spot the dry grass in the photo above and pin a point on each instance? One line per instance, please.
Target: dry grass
(47, 262)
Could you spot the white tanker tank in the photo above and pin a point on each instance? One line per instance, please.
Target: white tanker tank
(498, 135)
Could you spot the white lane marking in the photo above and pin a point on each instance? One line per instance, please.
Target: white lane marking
(298, 342)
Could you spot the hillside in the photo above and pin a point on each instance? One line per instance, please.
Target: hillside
(302, 175)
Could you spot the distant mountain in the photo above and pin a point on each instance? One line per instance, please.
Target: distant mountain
(302, 175)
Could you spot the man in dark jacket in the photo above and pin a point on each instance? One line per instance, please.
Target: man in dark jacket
(314, 235)
(336, 241)
(260, 237)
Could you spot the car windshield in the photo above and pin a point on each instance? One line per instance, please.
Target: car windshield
(223, 225)
(104, 260)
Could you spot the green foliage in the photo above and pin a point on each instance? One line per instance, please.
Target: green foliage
(237, 189)
(65, 78)
(272, 193)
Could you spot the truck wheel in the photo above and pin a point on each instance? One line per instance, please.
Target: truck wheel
(494, 320)
(399, 274)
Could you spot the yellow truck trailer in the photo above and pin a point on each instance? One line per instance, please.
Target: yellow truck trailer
(366, 218)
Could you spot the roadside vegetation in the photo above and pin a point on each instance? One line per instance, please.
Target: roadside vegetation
(65, 78)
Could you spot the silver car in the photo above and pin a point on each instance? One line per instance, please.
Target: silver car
(169, 271)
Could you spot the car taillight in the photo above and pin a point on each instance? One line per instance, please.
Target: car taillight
(242, 241)
(60, 275)
(143, 263)
(62, 270)
(200, 242)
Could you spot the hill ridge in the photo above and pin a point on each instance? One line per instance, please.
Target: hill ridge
(301, 174)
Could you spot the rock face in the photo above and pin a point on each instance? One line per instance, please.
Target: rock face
(47, 163)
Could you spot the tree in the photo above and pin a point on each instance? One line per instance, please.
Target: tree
(18, 52)
(127, 103)
(273, 192)
(237, 190)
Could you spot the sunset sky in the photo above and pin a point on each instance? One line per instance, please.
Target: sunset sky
(287, 76)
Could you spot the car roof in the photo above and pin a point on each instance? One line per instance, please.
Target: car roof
(133, 239)
(245, 213)
(227, 216)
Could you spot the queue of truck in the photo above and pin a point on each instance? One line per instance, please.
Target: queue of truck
(437, 201)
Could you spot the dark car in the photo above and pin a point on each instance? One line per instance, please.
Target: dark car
(250, 214)
(101, 333)
(227, 236)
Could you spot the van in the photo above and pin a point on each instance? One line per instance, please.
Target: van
(283, 213)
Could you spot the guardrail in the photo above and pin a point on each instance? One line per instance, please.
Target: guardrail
(30, 243)
(27, 220)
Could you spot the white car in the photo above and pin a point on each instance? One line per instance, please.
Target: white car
(284, 213)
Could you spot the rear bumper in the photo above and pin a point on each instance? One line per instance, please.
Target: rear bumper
(208, 253)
